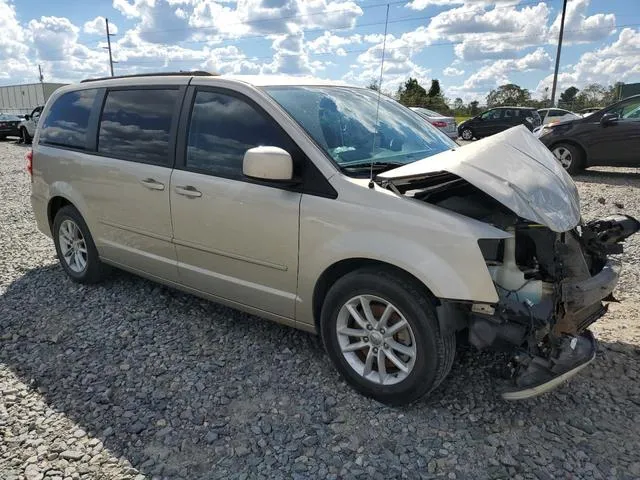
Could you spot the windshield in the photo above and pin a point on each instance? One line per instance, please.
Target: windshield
(342, 121)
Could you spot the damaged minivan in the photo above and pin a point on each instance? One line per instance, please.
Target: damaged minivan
(335, 210)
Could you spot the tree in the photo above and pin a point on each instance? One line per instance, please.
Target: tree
(509, 94)
(373, 85)
(593, 95)
(412, 94)
(568, 97)
(434, 91)
(458, 104)
(474, 107)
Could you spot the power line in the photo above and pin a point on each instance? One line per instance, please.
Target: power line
(407, 47)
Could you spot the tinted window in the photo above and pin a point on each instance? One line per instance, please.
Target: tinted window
(135, 124)
(67, 120)
(491, 115)
(222, 129)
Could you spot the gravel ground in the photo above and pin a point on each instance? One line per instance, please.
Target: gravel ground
(132, 380)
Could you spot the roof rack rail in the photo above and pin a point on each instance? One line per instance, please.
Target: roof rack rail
(195, 73)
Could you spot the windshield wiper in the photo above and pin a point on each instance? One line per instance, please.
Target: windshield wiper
(366, 166)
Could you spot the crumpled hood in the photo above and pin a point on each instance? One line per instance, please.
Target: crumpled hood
(514, 168)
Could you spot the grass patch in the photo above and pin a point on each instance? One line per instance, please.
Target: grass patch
(462, 118)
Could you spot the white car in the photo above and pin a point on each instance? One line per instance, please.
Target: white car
(28, 126)
(552, 115)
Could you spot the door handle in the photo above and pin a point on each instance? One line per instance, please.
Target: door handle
(188, 191)
(152, 184)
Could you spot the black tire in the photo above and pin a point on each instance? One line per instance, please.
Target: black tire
(468, 133)
(24, 136)
(94, 270)
(576, 163)
(434, 353)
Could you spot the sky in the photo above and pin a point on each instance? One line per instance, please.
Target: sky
(471, 46)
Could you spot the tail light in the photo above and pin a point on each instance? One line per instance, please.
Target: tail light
(439, 124)
(28, 158)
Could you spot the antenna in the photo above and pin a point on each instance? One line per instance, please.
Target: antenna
(375, 134)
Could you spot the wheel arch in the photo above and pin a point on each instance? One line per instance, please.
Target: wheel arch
(343, 267)
(53, 207)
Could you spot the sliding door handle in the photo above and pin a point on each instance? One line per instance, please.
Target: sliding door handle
(152, 184)
(188, 191)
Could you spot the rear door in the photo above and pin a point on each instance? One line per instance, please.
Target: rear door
(236, 238)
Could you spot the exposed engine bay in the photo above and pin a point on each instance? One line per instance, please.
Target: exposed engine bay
(551, 285)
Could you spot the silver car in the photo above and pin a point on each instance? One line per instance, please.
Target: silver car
(285, 198)
(446, 125)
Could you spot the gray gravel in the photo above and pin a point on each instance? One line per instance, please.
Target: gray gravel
(132, 380)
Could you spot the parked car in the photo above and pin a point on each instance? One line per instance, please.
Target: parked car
(497, 120)
(551, 115)
(9, 126)
(257, 192)
(28, 126)
(446, 125)
(608, 137)
(589, 110)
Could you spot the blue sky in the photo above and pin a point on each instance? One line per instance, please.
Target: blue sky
(471, 46)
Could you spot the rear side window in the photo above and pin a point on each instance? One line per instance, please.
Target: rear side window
(223, 127)
(135, 125)
(66, 123)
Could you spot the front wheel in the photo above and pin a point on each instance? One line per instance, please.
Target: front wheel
(381, 333)
(466, 134)
(24, 136)
(569, 156)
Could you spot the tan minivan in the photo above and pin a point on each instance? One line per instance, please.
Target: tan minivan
(333, 209)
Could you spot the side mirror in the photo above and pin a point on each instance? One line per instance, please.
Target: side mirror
(268, 163)
(26, 117)
(609, 119)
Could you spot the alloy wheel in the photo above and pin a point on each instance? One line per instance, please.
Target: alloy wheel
(564, 156)
(467, 134)
(376, 340)
(73, 246)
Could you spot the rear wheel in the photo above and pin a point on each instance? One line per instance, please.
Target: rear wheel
(466, 134)
(76, 250)
(381, 332)
(569, 156)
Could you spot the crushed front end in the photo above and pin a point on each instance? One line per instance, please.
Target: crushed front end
(551, 288)
(551, 285)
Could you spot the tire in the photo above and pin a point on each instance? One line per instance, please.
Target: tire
(24, 136)
(432, 353)
(467, 134)
(570, 157)
(69, 224)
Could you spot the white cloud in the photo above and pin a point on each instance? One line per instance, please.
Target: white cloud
(329, 43)
(97, 26)
(581, 28)
(452, 72)
(612, 63)
(422, 4)
(12, 39)
(497, 73)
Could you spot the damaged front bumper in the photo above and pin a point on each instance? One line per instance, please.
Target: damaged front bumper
(551, 289)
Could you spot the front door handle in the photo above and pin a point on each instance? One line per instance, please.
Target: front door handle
(188, 191)
(152, 184)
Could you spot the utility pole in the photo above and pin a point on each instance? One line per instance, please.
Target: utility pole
(109, 35)
(555, 73)
(40, 74)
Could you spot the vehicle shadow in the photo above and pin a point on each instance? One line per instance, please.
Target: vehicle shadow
(183, 388)
(622, 176)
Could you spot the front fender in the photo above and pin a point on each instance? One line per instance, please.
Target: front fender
(439, 248)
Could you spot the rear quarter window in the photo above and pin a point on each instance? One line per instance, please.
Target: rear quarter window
(67, 121)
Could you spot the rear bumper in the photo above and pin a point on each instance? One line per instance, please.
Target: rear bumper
(39, 206)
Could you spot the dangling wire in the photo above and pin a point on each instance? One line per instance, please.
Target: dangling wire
(375, 133)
